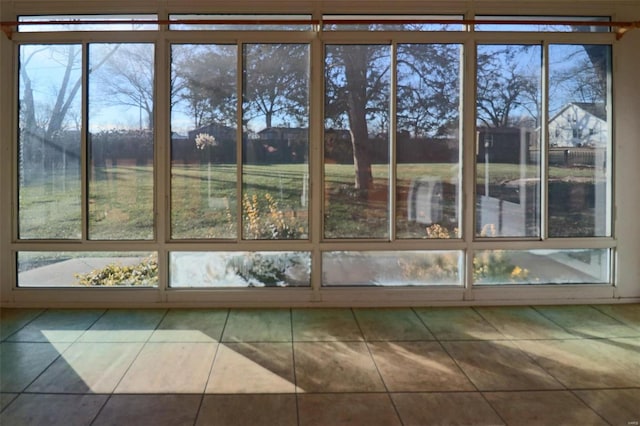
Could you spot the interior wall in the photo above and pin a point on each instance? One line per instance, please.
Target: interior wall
(626, 68)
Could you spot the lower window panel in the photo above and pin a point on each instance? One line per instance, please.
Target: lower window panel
(87, 269)
(391, 268)
(240, 269)
(574, 266)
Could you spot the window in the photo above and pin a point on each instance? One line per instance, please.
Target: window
(543, 23)
(270, 200)
(87, 23)
(210, 154)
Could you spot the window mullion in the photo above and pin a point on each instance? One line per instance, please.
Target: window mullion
(467, 157)
(544, 146)
(84, 146)
(239, 137)
(392, 143)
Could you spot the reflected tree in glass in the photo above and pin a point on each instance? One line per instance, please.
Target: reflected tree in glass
(49, 205)
(275, 102)
(356, 151)
(579, 141)
(428, 140)
(121, 147)
(203, 141)
(508, 104)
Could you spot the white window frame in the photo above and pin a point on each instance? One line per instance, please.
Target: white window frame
(622, 244)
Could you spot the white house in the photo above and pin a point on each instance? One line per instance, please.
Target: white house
(579, 124)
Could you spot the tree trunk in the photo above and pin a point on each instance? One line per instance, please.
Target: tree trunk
(356, 62)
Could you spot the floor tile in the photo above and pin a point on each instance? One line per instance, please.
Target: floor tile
(87, 368)
(391, 325)
(542, 408)
(169, 368)
(451, 408)
(52, 410)
(324, 325)
(12, 320)
(191, 325)
(57, 325)
(156, 410)
(588, 363)
(586, 321)
(6, 398)
(347, 409)
(253, 368)
(499, 365)
(458, 324)
(335, 367)
(258, 325)
(21, 363)
(628, 314)
(617, 406)
(522, 322)
(254, 410)
(417, 366)
(124, 325)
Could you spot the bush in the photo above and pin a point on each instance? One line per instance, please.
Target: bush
(144, 273)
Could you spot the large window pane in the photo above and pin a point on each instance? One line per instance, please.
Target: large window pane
(87, 269)
(121, 144)
(542, 23)
(589, 266)
(508, 140)
(428, 141)
(203, 141)
(240, 22)
(49, 205)
(356, 145)
(60, 23)
(579, 141)
(391, 23)
(391, 268)
(275, 141)
(240, 269)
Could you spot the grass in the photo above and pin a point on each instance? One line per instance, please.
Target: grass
(204, 201)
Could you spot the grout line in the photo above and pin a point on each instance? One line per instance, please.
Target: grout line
(384, 383)
(213, 361)
(295, 376)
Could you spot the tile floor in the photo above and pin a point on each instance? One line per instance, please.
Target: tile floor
(531, 365)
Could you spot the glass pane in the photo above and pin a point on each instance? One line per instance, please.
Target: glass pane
(275, 171)
(121, 141)
(579, 141)
(61, 23)
(356, 141)
(87, 269)
(548, 26)
(428, 141)
(242, 23)
(391, 23)
(49, 202)
(508, 140)
(391, 268)
(590, 266)
(203, 141)
(240, 269)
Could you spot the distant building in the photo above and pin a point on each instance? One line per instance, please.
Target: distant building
(579, 124)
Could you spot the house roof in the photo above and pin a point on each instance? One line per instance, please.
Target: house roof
(597, 109)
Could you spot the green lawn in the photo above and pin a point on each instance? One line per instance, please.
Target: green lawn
(204, 201)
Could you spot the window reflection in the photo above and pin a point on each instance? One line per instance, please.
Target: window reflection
(508, 104)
